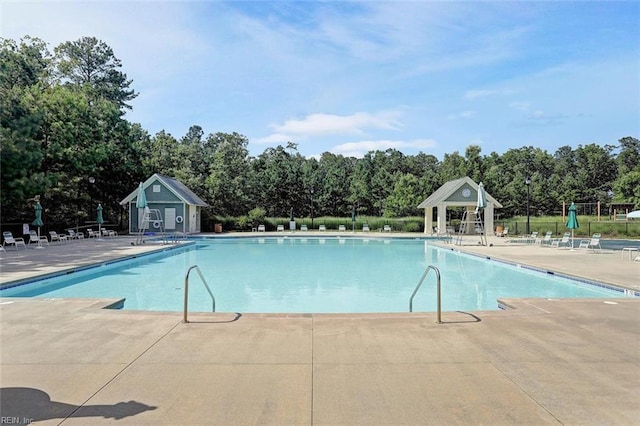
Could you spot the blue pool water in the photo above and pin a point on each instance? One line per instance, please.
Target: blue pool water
(309, 275)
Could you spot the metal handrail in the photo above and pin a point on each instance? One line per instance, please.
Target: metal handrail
(186, 291)
(426, 271)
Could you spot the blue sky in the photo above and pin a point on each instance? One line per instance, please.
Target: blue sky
(348, 77)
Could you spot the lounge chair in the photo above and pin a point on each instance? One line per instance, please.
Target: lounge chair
(322, 228)
(533, 238)
(564, 241)
(280, 228)
(387, 228)
(109, 233)
(365, 228)
(502, 233)
(61, 238)
(593, 243)
(342, 228)
(35, 239)
(92, 234)
(9, 240)
(261, 228)
(546, 240)
(74, 236)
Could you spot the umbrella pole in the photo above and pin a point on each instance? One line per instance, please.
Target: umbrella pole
(39, 246)
(571, 239)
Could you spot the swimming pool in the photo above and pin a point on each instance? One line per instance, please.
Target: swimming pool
(308, 275)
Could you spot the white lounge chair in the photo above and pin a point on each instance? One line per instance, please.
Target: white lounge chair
(322, 228)
(92, 234)
(109, 233)
(303, 228)
(387, 228)
(546, 240)
(564, 241)
(35, 239)
(593, 243)
(341, 228)
(261, 228)
(280, 228)
(9, 240)
(61, 238)
(74, 236)
(365, 228)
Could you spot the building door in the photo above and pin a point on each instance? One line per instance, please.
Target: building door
(170, 218)
(193, 220)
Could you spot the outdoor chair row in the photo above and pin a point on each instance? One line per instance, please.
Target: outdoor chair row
(565, 242)
(365, 228)
(34, 238)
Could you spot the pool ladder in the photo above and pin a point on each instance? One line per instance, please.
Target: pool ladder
(186, 291)
(426, 272)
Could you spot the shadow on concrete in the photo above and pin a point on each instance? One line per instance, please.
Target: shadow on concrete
(236, 317)
(27, 405)
(474, 318)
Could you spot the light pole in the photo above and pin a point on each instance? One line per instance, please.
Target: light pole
(528, 183)
(312, 207)
(92, 180)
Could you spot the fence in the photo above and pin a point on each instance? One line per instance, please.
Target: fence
(587, 228)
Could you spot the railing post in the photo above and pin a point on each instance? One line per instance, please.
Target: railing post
(186, 296)
(439, 305)
(186, 292)
(439, 321)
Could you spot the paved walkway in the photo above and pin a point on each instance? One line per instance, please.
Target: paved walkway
(544, 362)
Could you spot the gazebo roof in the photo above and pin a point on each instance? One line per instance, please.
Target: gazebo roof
(445, 192)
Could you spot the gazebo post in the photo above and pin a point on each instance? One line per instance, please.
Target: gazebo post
(442, 218)
(428, 219)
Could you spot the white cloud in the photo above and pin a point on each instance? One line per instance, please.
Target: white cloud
(541, 118)
(466, 115)
(520, 105)
(483, 93)
(358, 149)
(273, 138)
(331, 124)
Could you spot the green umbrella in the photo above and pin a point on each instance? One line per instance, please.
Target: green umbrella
(38, 221)
(482, 198)
(99, 219)
(141, 201)
(353, 220)
(572, 220)
(481, 204)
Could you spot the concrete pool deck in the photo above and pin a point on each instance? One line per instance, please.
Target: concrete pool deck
(544, 362)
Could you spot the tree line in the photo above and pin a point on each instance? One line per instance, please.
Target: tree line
(65, 137)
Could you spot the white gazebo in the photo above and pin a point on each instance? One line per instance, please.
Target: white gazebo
(461, 192)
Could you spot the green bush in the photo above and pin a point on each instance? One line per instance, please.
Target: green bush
(242, 223)
(256, 217)
(413, 227)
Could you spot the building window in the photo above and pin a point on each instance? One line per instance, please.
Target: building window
(156, 188)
